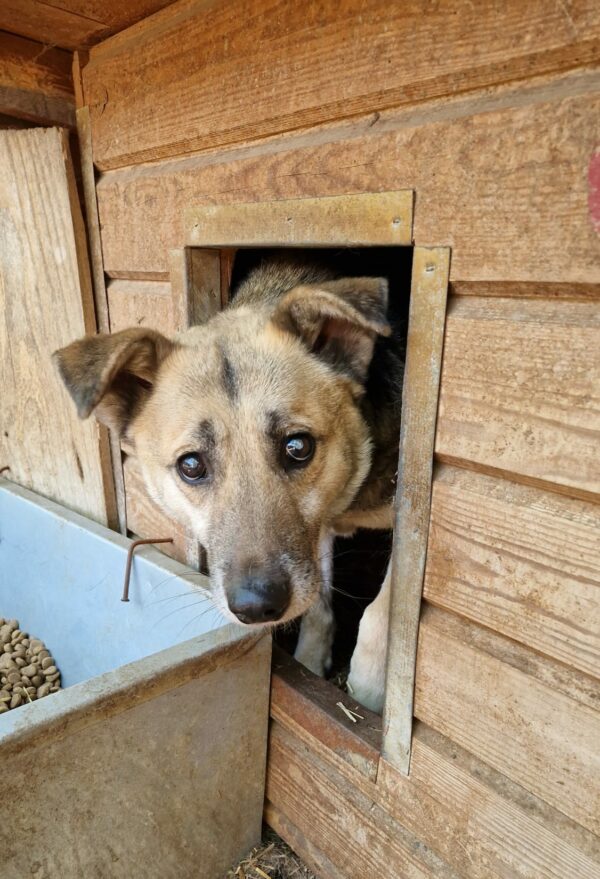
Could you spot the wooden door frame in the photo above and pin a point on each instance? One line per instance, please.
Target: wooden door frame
(200, 274)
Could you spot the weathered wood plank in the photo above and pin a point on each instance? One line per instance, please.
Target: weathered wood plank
(521, 389)
(296, 71)
(429, 286)
(479, 821)
(475, 820)
(482, 205)
(530, 718)
(365, 218)
(141, 304)
(45, 302)
(301, 844)
(35, 81)
(99, 285)
(523, 562)
(304, 702)
(73, 24)
(526, 290)
(339, 817)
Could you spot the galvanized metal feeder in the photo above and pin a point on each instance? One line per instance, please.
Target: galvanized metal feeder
(151, 759)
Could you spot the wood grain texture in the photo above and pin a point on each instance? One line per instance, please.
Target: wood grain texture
(35, 81)
(45, 302)
(521, 561)
(526, 290)
(98, 281)
(521, 389)
(146, 519)
(141, 304)
(429, 286)
(477, 822)
(73, 24)
(531, 719)
(346, 824)
(207, 74)
(203, 294)
(312, 856)
(307, 704)
(474, 190)
(361, 219)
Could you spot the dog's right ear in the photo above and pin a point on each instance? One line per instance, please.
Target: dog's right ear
(112, 375)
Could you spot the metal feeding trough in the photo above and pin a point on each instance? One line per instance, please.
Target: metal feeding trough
(150, 762)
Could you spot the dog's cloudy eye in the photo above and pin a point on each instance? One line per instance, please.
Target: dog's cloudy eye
(192, 467)
(298, 449)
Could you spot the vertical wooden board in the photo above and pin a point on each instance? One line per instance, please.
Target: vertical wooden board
(523, 562)
(528, 717)
(45, 303)
(520, 389)
(97, 265)
(419, 406)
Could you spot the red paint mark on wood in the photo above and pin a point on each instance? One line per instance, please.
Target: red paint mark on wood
(594, 189)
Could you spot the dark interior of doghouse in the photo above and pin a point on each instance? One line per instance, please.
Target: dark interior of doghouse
(360, 561)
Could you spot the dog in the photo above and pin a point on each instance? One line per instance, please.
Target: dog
(266, 431)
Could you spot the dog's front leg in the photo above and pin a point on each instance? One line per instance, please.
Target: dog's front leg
(366, 681)
(317, 626)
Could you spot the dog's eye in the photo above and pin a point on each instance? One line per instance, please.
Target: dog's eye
(192, 468)
(298, 449)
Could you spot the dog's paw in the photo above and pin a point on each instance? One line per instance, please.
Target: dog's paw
(367, 689)
(314, 657)
(366, 681)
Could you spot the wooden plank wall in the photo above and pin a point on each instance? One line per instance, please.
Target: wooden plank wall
(490, 113)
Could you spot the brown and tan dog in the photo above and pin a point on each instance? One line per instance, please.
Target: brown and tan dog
(266, 431)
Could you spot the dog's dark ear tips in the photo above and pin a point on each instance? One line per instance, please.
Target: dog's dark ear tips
(111, 374)
(338, 321)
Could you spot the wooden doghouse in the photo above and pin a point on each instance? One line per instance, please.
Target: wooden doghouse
(469, 132)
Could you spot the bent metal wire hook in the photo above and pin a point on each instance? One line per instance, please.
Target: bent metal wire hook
(132, 549)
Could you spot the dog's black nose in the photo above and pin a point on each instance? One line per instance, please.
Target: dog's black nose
(259, 599)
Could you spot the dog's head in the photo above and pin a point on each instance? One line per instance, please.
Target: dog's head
(248, 430)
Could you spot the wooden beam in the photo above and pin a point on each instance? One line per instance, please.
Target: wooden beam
(35, 82)
(429, 288)
(73, 24)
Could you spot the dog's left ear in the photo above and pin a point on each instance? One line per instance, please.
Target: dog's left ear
(338, 321)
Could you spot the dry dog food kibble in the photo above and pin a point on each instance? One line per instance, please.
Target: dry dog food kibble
(27, 671)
